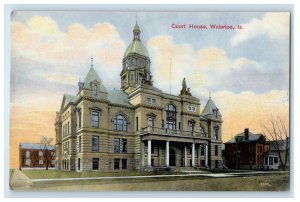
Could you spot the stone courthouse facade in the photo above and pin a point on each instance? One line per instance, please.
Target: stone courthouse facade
(137, 127)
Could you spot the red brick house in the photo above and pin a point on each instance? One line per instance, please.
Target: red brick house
(246, 151)
(36, 155)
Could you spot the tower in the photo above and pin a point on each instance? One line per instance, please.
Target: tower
(136, 64)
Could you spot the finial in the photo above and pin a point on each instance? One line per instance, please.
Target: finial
(136, 18)
(92, 61)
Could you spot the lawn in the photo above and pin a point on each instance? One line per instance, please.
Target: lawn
(49, 174)
(270, 182)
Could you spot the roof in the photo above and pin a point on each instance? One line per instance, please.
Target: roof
(91, 77)
(36, 146)
(209, 110)
(281, 145)
(241, 137)
(118, 97)
(67, 99)
(136, 46)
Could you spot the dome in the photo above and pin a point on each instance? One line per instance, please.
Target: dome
(136, 47)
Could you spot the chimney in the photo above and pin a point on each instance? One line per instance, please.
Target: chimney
(246, 132)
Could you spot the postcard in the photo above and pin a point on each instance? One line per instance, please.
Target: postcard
(149, 101)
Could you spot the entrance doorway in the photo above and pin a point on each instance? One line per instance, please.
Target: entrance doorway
(172, 157)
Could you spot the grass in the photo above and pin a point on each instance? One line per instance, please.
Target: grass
(271, 182)
(49, 174)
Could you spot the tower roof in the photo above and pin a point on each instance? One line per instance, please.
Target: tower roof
(211, 111)
(136, 45)
(92, 76)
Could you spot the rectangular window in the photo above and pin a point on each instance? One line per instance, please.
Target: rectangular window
(95, 119)
(191, 108)
(116, 145)
(79, 118)
(27, 154)
(149, 100)
(271, 161)
(162, 123)
(124, 145)
(203, 163)
(41, 162)
(124, 164)
(153, 101)
(95, 163)
(191, 126)
(202, 150)
(68, 128)
(179, 125)
(150, 121)
(216, 150)
(40, 153)
(117, 164)
(216, 164)
(95, 143)
(27, 162)
(78, 163)
(266, 160)
(216, 131)
(137, 123)
(79, 144)
(276, 160)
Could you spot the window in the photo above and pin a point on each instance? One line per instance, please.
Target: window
(202, 150)
(95, 143)
(124, 145)
(203, 163)
(94, 89)
(41, 162)
(191, 149)
(116, 145)
(191, 126)
(148, 100)
(120, 123)
(95, 119)
(216, 132)
(150, 121)
(116, 164)
(78, 163)
(68, 128)
(40, 153)
(137, 123)
(216, 164)
(79, 144)
(52, 163)
(191, 108)
(179, 125)
(79, 117)
(171, 117)
(270, 160)
(124, 164)
(202, 129)
(266, 160)
(151, 100)
(275, 160)
(27, 162)
(216, 150)
(27, 154)
(95, 163)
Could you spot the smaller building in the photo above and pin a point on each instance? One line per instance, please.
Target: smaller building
(33, 155)
(281, 147)
(247, 151)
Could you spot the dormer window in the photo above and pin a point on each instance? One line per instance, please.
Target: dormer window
(95, 89)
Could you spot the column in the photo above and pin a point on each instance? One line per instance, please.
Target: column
(142, 153)
(199, 161)
(149, 152)
(193, 154)
(206, 155)
(185, 157)
(167, 154)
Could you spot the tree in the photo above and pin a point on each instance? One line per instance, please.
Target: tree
(276, 132)
(46, 148)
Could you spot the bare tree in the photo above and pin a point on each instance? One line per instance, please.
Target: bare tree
(46, 149)
(276, 132)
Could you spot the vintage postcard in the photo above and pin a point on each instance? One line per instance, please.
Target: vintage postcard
(149, 101)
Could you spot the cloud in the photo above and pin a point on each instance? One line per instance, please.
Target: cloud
(49, 49)
(274, 25)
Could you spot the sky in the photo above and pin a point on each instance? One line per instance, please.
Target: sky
(246, 70)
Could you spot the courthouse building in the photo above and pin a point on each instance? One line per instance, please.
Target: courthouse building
(137, 127)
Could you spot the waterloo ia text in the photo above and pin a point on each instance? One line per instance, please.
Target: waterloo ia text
(203, 26)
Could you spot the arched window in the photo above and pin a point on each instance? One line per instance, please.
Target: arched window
(216, 132)
(171, 116)
(120, 123)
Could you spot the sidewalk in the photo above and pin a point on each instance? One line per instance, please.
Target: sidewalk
(18, 180)
(214, 175)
